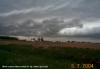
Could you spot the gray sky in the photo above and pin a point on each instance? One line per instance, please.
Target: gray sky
(59, 18)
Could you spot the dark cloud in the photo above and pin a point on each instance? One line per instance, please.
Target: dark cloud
(50, 17)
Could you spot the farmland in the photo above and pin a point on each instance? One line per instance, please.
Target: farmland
(55, 55)
(46, 44)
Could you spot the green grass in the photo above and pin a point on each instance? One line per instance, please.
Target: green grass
(53, 57)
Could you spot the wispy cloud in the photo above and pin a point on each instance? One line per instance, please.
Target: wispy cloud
(62, 4)
(25, 11)
(52, 7)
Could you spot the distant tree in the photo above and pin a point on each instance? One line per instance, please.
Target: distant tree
(8, 38)
(39, 39)
(33, 39)
(42, 39)
(68, 41)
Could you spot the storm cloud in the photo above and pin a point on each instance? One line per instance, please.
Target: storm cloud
(57, 18)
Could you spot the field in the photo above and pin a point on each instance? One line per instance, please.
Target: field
(55, 57)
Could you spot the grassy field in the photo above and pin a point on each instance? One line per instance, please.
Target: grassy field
(53, 57)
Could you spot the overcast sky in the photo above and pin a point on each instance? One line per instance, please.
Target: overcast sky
(59, 18)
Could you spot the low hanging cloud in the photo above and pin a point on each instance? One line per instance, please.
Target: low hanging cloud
(86, 30)
(53, 27)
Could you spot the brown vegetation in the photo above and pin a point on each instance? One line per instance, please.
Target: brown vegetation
(50, 43)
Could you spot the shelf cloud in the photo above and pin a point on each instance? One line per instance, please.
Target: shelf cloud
(57, 18)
